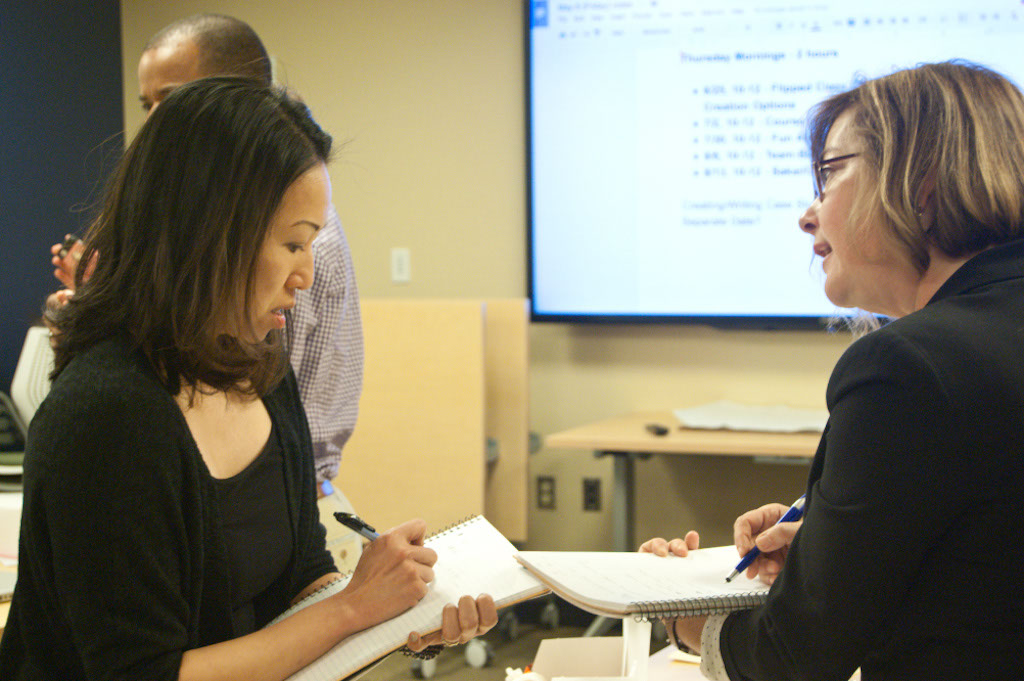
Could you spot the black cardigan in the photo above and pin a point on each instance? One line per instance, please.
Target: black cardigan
(909, 557)
(122, 563)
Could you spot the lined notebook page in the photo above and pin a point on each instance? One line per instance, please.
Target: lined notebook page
(472, 558)
(615, 581)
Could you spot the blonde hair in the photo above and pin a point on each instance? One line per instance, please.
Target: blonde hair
(954, 127)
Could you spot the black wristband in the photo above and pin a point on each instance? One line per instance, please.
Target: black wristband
(428, 653)
(670, 627)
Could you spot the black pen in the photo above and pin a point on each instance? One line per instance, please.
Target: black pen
(356, 524)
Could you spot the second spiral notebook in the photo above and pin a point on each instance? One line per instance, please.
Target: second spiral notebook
(646, 586)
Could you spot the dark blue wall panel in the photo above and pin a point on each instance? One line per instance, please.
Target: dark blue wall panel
(61, 122)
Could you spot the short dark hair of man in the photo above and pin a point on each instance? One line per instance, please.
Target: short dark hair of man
(227, 46)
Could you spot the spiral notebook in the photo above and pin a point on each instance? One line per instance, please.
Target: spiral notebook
(646, 586)
(473, 558)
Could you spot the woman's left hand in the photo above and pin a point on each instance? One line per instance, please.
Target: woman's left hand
(459, 624)
(675, 547)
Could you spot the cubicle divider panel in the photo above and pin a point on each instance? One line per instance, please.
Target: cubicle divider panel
(418, 446)
(506, 367)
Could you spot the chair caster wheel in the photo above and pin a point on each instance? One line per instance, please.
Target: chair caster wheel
(479, 653)
(424, 669)
(549, 616)
(508, 625)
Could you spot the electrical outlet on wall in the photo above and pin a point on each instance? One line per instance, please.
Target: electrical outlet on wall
(546, 492)
(591, 494)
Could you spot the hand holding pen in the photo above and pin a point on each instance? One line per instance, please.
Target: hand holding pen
(459, 623)
(763, 536)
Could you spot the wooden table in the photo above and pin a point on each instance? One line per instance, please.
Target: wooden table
(627, 439)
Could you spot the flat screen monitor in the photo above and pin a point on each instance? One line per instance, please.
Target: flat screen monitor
(668, 162)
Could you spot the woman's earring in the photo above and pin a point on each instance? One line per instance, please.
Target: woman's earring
(920, 215)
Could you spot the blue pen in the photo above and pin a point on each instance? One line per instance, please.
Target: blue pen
(353, 522)
(793, 514)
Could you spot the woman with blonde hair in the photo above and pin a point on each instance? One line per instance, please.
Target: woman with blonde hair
(908, 555)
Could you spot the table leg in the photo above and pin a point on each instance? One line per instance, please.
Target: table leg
(622, 499)
(599, 626)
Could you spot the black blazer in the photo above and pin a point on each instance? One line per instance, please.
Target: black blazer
(909, 559)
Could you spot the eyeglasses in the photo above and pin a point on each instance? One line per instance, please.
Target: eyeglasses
(821, 172)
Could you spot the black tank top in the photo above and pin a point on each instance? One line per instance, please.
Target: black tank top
(257, 530)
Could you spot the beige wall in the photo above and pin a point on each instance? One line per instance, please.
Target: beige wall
(428, 95)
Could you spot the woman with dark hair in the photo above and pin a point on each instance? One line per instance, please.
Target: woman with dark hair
(908, 556)
(170, 510)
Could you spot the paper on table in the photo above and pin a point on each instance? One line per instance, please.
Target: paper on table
(728, 415)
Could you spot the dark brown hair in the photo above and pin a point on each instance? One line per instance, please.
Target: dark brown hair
(181, 229)
(955, 124)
